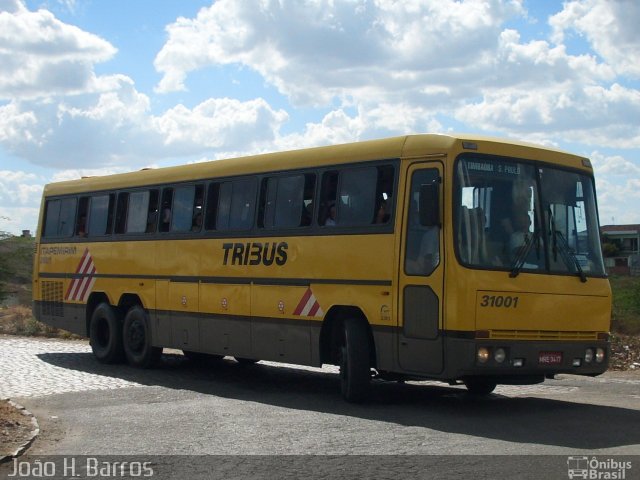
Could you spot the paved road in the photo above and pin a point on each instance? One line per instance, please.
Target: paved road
(86, 408)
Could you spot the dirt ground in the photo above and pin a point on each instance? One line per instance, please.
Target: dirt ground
(15, 428)
(625, 352)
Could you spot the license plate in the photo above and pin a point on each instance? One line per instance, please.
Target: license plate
(550, 358)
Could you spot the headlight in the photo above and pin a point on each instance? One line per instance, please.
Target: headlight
(499, 355)
(599, 355)
(483, 355)
(588, 355)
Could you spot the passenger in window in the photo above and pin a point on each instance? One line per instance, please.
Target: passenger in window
(197, 222)
(166, 217)
(82, 227)
(331, 219)
(381, 215)
(151, 222)
(306, 215)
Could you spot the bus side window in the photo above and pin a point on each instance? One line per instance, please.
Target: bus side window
(101, 215)
(423, 243)
(152, 212)
(236, 205)
(187, 209)
(357, 196)
(213, 194)
(328, 195)
(60, 217)
(138, 212)
(307, 199)
(81, 219)
(121, 212)
(287, 202)
(384, 195)
(165, 209)
(182, 211)
(197, 216)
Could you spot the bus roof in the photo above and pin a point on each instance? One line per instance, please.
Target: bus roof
(407, 146)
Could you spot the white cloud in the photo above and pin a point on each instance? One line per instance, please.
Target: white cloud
(220, 123)
(593, 115)
(614, 165)
(423, 58)
(316, 50)
(42, 56)
(610, 26)
(117, 128)
(20, 194)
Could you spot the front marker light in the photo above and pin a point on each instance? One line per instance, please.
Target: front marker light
(588, 355)
(483, 355)
(518, 362)
(599, 355)
(576, 362)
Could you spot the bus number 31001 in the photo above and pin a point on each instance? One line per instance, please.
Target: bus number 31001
(499, 301)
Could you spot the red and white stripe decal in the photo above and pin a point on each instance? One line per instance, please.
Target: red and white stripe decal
(308, 306)
(81, 286)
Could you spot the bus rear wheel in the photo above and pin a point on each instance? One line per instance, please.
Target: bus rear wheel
(480, 386)
(355, 371)
(105, 335)
(136, 334)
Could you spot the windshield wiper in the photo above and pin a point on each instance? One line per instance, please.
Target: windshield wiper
(522, 255)
(568, 255)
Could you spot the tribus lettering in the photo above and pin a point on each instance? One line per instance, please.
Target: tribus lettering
(255, 253)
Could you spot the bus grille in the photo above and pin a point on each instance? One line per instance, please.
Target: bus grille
(541, 335)
(52, 303)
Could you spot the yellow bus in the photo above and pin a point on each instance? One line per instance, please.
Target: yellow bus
(463, 258)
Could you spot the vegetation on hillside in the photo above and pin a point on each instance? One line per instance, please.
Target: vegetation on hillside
(16, 265)
(625, 315)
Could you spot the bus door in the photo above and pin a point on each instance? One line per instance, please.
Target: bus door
(421, 276)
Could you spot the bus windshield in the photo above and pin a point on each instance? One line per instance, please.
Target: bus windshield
(520, 216)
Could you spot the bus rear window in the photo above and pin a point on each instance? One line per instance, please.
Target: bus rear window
(60, 217)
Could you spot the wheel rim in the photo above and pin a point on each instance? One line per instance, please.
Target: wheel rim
(136, 336)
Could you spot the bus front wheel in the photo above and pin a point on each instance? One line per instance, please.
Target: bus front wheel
(355, 371)
(137, 339)
(105, 335)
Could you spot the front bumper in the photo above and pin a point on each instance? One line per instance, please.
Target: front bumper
(523, 358)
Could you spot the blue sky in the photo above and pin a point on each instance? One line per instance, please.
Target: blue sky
(90, 87)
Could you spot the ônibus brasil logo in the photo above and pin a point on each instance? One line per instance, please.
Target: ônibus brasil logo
(594, 468)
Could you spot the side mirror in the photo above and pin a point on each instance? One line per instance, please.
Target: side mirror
(429, 204)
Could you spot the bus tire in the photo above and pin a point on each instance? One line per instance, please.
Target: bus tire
(355, 371)
(136, 334)
(480, 386)
(105, 335)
